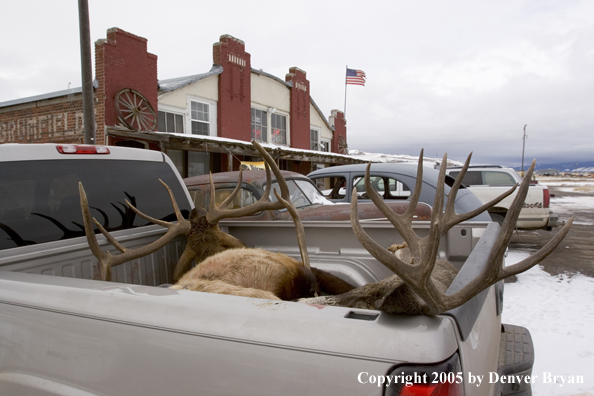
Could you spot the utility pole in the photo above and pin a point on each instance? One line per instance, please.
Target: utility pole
(523, 146)
(86, 71)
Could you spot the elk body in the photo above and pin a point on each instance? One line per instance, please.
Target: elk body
(283, 276)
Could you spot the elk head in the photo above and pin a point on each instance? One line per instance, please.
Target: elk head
(283, 276)
(419, 285)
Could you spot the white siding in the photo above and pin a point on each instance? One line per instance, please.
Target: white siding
(207, 88)
(270, 93)
(317, 121)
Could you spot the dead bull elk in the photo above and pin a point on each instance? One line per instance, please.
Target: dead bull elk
(419, 284)
(225, 264)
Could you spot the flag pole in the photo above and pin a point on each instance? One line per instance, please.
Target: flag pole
(345, 89)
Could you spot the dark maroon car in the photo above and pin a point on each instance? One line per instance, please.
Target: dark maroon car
(310, 202)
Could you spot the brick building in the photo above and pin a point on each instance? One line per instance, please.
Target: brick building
(204, 122)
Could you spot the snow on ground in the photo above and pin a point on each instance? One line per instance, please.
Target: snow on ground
(566, 206)
(559, 312)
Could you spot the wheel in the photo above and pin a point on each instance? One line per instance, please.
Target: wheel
(135, 111)
(497, 218)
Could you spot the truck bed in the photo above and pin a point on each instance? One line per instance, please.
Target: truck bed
(70, 332)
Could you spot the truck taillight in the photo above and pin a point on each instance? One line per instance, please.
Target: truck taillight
(546, 199)
(81, 149)
(436, 380)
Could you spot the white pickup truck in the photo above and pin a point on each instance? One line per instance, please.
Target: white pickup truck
(64, 333)
(489, 181)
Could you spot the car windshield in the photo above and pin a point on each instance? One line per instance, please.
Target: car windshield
(303, 193)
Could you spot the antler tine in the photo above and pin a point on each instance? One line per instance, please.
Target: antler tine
(298, 228)
(216, 214)
(277, 173)
(400, 222)
(495, 270)
(451, 218)
(378, 251)
(162, 223)
(454, 190)
(285, 200)
(106, 259)
(414, 199)
(231, 197)
(103, 257)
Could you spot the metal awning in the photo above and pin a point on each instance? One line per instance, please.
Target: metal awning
(210, 144)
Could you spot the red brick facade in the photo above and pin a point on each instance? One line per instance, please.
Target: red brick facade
(122, 61)
(234, 105)
(338, 121)
(299, 121)
(58, 120)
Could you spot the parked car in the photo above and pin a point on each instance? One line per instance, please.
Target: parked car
(310, 202)
(394, 182)
(489, 181)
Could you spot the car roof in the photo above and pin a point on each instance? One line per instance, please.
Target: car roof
(409, 169)
(48, 151)
(378, 166)
(476, 166)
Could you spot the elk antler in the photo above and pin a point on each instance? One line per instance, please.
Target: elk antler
(216, 214)
(417, 273)
(106, 259)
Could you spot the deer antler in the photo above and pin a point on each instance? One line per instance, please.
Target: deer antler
(106, 259)
(417, 274)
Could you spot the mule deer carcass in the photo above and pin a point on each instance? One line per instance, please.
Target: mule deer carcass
(225, 264)
(420, 281)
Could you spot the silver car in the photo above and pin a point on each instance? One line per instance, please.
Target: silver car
(393, 181)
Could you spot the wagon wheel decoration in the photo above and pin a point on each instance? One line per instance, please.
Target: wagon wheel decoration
(135, 111)
(343, 147)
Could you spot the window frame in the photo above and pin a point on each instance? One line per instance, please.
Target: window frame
(315, 140)
(212, 115)
(264, 130)
(175, 112)
(270, 111)
(274, 115)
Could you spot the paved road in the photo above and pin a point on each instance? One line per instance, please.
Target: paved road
(576, 252)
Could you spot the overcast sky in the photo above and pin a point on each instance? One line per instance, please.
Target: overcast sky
(447, 76)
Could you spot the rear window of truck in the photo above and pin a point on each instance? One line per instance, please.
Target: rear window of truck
(486, 178)
(39, 200)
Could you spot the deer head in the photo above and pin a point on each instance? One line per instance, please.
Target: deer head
(419, 283)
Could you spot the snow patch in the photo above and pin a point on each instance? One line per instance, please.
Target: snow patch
(559, 313)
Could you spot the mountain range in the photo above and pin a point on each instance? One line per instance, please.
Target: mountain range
(561, 166)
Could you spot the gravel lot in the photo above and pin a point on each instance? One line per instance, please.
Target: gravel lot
(575, 254)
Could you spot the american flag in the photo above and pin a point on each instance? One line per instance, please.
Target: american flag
(355, 77)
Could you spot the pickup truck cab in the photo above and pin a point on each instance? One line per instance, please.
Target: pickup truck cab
(489, 181)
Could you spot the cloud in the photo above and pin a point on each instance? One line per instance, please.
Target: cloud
(455, 77)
